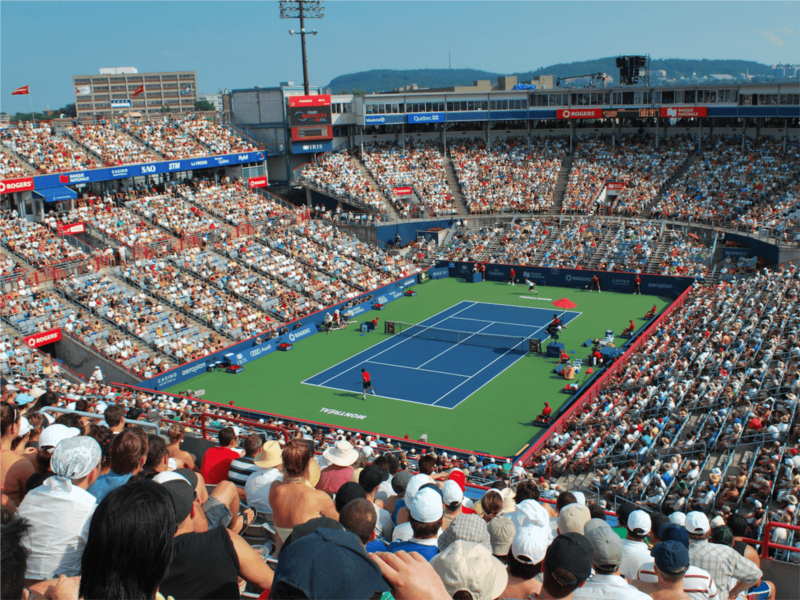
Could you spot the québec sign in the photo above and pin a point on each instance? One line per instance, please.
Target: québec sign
(9, 186)
(45, 337)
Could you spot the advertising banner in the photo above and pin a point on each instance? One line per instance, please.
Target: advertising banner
(310, 147)
(120, 104)
(313, 112)
(402, 191)
(312, 132)
(249, 350)
(678, 112)
(580, 113)
(9, 186)
(304, 101)
(437, 117)
(257, 182)
(384, 119)
(71, 229)
(615, 186)
(123, 172)
(42, 338)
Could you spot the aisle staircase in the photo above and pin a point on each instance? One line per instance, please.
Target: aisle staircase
(561, 185)
(667, 187)
(393, 213)
(455, 186)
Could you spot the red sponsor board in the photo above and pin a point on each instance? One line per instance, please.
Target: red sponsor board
(684, 112)
(40, 339)
(580, 113)
(71, 229)
(256, 182)
(321, 100)
(9, 186)
(402, 191)
(615, 185)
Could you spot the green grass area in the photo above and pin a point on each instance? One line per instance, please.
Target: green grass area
(496, 419)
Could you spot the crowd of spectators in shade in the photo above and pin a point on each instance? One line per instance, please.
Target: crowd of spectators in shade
(166, 137)
(634, 160)
(510, 175)
(339, 173)
(231, 201)
(728, 185)
(419, 165)
(218, 138)
(45, 150)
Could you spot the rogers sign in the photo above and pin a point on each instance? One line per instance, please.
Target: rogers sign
(580, 113)
(402, 191)
(257, 182)
(9, 186)
(45, 337)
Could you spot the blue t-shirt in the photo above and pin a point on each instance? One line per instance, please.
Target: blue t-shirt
(105, 484)
(401, 503)
(376, 546)
(410, 546)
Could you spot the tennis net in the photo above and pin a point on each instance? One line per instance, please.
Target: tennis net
(468, 338)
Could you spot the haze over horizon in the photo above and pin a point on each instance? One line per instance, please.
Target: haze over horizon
(244, 44)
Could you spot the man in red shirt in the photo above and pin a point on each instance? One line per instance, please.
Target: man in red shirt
(637, 285)
(547, 410)
(367, 382)
(595, 284)
(217, 460)
(511, 276)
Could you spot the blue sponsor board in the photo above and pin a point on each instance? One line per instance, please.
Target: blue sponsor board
(249, 351)
(172, 166)
(736, 253)
(435, 117)
(440, 273)
(384, 119)
(656, 285)
(311, 147)
(476, 115)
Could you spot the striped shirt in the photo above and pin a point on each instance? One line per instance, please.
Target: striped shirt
(697, 583)
(240, 470)
(726, 566)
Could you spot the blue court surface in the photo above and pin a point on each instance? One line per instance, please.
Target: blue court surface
(438, 373)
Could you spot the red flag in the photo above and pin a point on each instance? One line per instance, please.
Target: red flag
(138, 91)
(21, 91)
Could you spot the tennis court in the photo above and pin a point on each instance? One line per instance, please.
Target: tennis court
(445, 359)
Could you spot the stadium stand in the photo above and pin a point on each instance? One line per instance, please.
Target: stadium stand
(45, 150)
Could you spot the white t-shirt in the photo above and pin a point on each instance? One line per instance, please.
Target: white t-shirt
(697, 582)
(634, 555)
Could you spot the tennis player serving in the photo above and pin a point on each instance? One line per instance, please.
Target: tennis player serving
(367, 382)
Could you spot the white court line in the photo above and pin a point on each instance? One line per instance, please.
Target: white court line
(457, 344)
(390, 340)
(372, 362)
(527, 325)
(357, 393)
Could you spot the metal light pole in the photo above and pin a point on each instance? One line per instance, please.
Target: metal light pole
(302, 9)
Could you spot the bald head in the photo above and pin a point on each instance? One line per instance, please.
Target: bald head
(359, 516)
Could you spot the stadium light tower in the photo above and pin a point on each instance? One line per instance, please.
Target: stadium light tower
(302, 9)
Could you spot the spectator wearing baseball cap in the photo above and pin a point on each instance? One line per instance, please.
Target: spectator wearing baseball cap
(426, 512)
(525, 559)
(573, 518)
(470, 567)
(206, 563)
(635, 550)
(731, 572)
(370, 479)
(453, 498)
(607, 556)
(501, 535)
(394, 503)
(469, 528)
(60, 510)
(567, 566)
(671, 565)
(697, 583)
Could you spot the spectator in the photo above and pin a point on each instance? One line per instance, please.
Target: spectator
(525, 559)
(573, 518)
(60, 511)
(426, 519)
(567, 566)
(370, 479)
(13, 560)
(731, 572)
(114, 417)
(501, 535)
(207, 562)
(341, 457)
(241, 468)
(671, 564)
(724, 536)
(470, 567)
(217, 460)
(360, 518)
(128, 455)
(469, 528)
(294, 501)
(635, 551)
(607, 556)
(16, 469)
(176, 433)
(269, 469)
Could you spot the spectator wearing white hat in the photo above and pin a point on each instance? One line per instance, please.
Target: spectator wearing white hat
(731, 571)
(635, 550)
(97, 375)
(426, 520)
(607, 557)
(470, 567)
(452, 497)
(339, 471)
(525, 561)
(60, 510)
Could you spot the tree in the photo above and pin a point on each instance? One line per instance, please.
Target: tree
(203, 105)
(68, 110)
(166, 109)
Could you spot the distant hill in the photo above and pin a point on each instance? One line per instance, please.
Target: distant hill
(384, 80)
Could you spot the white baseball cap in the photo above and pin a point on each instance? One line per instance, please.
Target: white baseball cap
(717, 521)
(639, 521)
(452, 492)
(426, 507)
(55, 433)
(697, 522)
(530, 544)
(416, 482)
(580, 497)
(678, 518)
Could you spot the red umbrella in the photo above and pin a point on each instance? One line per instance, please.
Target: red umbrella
(564, 303)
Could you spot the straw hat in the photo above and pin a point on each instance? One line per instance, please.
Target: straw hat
(342, 454)
(270, 455)
(313, 472)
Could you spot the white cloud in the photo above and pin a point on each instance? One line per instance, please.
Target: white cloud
(787, 30)
(772, 37)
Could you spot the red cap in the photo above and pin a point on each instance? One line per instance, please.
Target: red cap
(459, 477)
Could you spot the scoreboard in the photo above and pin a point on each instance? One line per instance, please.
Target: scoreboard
(631, 113)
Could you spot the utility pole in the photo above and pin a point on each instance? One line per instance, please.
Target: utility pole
(302, 9)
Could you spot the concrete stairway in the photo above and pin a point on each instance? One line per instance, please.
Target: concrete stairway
(455, 186)
(20, 161)
(561, 185)
(670, 182)
(393, 213)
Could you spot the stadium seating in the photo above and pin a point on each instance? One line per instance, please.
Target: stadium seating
(45, 150)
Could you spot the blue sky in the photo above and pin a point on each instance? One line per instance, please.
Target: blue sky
(244, 44)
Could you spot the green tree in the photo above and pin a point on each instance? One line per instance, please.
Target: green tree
(166, 109)
(203, 105)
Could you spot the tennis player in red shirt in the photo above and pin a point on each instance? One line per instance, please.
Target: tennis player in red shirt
(367, 382)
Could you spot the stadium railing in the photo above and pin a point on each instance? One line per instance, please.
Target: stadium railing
(143, 424)
(594, 391)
